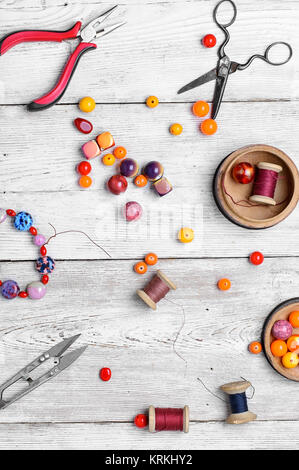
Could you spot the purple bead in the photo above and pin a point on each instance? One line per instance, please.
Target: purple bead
(128, 167)
(282, 329)
(153, 171)
(3, 215)
(10, 289)
(39, 240)
(36, 290)
(45, 264)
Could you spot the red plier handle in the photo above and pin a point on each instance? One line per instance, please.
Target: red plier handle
(53, 96)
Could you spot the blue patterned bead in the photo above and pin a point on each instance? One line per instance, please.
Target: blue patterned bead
(10, 289)
(45, 264)
(23, 221)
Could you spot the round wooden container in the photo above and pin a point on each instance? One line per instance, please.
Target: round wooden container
(261, 216)
(281, 312)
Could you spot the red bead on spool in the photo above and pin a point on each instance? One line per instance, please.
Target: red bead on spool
(265, 183)
(156, 290)
(168, 419)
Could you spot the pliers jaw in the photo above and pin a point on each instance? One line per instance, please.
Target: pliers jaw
(95, 30)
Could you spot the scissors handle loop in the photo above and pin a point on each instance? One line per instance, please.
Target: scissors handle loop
(216, 14)
(266, 56)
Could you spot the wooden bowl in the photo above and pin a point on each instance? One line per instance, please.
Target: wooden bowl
(261, 216)
(281, 312)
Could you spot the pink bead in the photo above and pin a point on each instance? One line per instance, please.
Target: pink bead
(282, 329)
(90, 149)
(133, 211)
(39, 240)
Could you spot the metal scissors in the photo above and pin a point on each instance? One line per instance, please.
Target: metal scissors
(92, 31)
(60, 363)
(225, 66)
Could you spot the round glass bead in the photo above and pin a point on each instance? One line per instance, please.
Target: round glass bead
(45, 264)
(39, 240)
(36, 290)
(23, 221)
(10, 289)
(3, 215)
(153, 171)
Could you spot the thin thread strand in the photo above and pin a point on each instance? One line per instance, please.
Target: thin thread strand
(75, 231)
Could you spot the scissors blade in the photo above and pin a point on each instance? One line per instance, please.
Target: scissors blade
(207, 77)
(66, 360)
(61, 347)
(221, 81)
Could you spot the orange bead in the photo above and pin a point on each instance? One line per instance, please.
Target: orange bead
(140, 268)
(200, 108)
(108, 159)
(151, 259)
(209, 127)
(119, 152)
(176, 129)
(279, 348)
(290, 360)
(255, 347)
(152, 102)
(224, 284)
(140, 181)
(294, 319)
(85, 181)
(293, 343)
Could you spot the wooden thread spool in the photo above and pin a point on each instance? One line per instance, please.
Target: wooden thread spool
(156, 290)
(152, 419)
(238, 402)
(259, 198)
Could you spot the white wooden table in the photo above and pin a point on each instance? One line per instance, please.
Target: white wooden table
(157, 52)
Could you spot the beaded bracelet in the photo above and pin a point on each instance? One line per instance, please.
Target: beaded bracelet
(45, 265)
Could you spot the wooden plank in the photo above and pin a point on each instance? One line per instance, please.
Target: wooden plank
(98, 300)
(263, 435)
(156, 53)
(47, 185)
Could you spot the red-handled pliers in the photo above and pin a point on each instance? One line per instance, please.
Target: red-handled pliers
(90, 32)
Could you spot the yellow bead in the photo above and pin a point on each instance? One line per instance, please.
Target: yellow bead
(186, 235)
(176, 129)
(108, 159)
(152, 101)
(87, 104)
(290, 360)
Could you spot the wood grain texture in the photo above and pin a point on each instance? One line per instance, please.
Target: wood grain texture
(259, 436)
(98, 299)
(157, 52)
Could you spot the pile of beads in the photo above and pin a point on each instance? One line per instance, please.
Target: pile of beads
(164, 419)
(286, 343)
(150, 259)
(153, 171)
(44, 264)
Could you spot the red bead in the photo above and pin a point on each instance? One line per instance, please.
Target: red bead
(83, 125)
(43, 251)
(84, 168)
(0, 283)
(209, 40)
(256, 258)
(33, 231)
(23, 294)
(11, 213)
(45, 279)
(141, 421)
(105, 374)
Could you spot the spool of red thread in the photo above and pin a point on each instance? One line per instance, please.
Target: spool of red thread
(265, 183)
(168, 419)
(156, 290)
